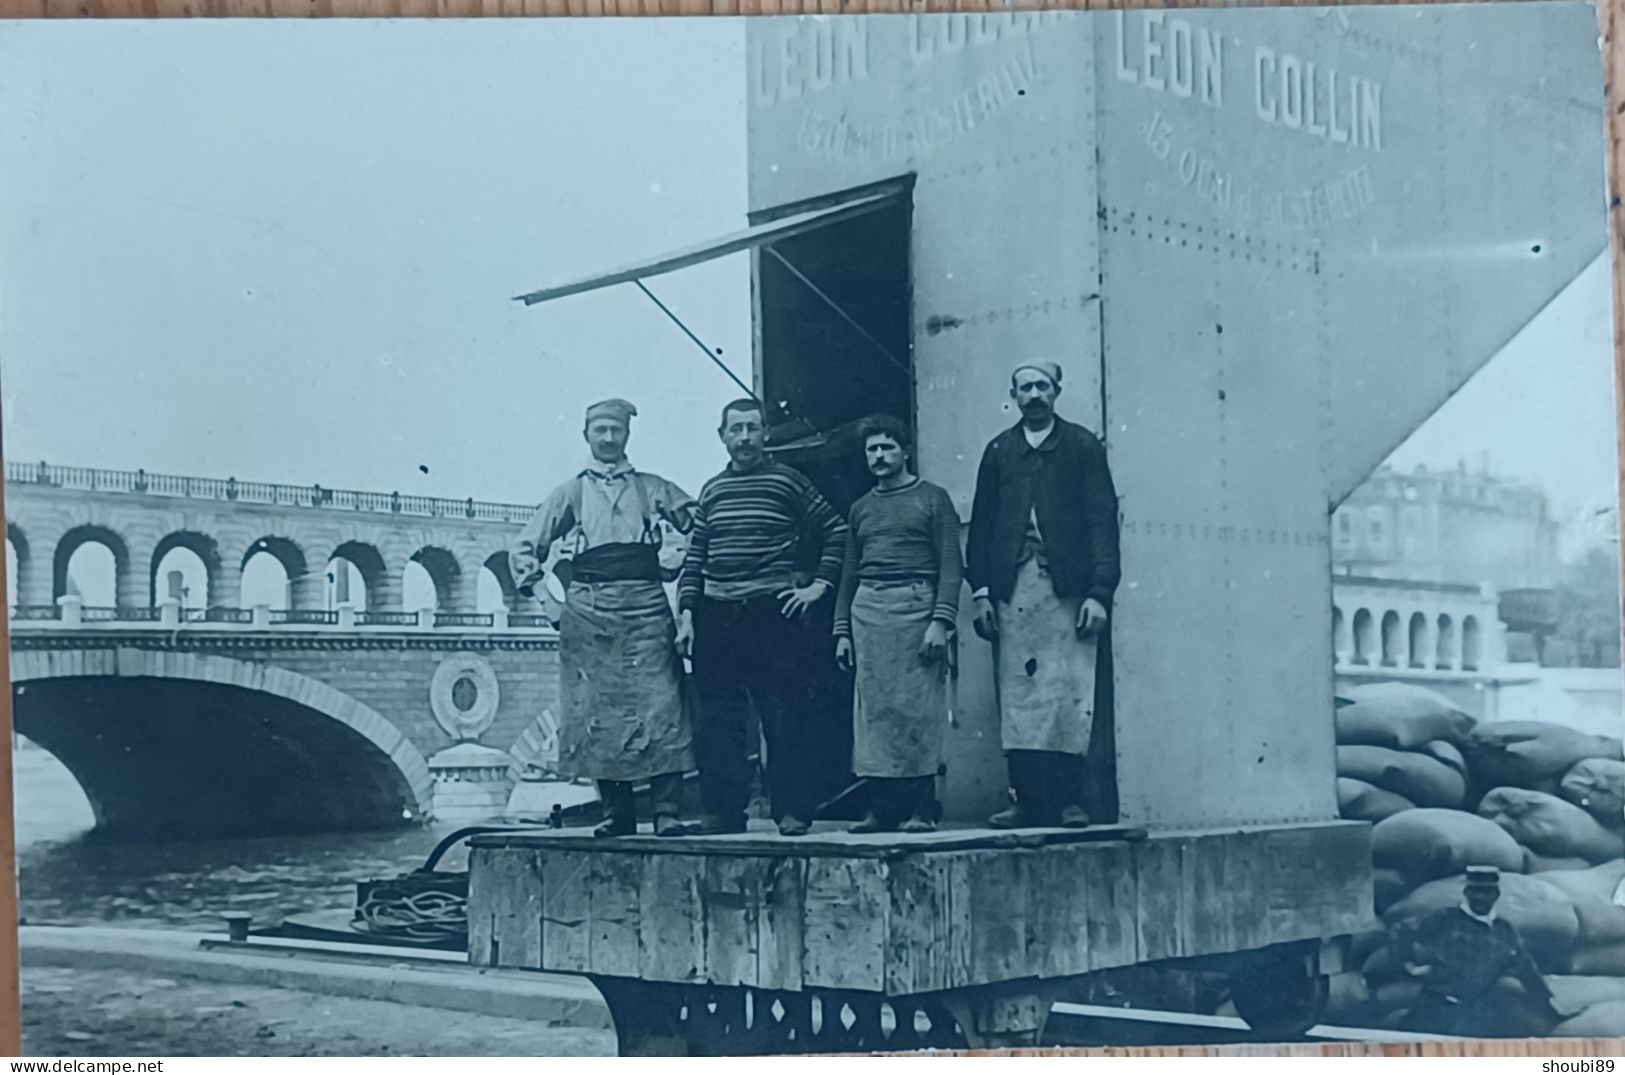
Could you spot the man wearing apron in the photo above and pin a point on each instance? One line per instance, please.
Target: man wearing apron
(898, 599)
(620, 675)
(1042, 561)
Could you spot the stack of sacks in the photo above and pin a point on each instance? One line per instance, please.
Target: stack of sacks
(1530, 754)
(1397, 750)
(1598, 786)
(1417, 846)
(1559, 792)
(1592, 993)
(1555, 834)
(1543, 803)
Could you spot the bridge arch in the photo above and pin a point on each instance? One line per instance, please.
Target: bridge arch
(298, 590)
(369, 562)
(170, 744)
(497, 565)
(204, 547)
(90, 534)
(445, 572)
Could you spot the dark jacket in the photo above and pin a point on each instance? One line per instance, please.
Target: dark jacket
(1066, 478)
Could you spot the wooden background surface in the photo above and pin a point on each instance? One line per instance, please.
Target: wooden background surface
(1611, 16)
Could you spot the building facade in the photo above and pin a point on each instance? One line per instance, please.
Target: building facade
(1442, 635)
(1448, 526)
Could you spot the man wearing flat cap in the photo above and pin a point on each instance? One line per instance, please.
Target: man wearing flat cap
(1042, 562)
(620, 675)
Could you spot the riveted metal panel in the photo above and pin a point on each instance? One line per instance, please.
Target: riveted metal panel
(1490, 198)
(1256, 291)
(1292, 283)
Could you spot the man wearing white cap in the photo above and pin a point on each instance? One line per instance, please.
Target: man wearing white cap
(620, 675)
(1042, 561)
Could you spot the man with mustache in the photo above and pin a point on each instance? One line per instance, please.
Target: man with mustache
(619, 672)
(742, 618)
(1042, 561)
(898, 600)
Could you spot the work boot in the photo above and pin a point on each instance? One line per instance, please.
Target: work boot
(620, 809)
(669, 825)
(790, 825)
(1073, 817)
(1017, 817)
(870, 823)
(721, 824)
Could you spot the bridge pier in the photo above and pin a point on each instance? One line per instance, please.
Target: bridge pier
(35, 584)
(310, 590)
(226, 586)
(462, 589)
(386, 590)
(135, 574)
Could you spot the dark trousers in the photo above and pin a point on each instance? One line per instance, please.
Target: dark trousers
(747, 654)
(665, 791)
(893, 800)
(1100, 765)
(1046, 781)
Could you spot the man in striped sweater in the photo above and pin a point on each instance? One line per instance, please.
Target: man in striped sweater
(742, 619)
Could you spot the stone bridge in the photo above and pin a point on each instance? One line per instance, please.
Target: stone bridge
(181, 729)
(52, 510)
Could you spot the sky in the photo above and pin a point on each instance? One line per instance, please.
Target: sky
(290, 256)
(1542, 410)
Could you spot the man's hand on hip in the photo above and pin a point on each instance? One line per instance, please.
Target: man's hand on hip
(1091, 618)
(798, 599)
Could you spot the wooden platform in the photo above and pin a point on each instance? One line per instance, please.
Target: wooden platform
(906, 914)
(827, 839)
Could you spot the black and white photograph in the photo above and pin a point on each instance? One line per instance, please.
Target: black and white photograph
(812, 534)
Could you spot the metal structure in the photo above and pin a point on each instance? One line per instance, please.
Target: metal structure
(1264, 246)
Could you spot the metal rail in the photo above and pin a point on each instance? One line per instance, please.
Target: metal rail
(142, 483)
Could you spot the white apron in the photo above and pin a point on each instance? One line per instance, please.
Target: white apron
(1046, 673)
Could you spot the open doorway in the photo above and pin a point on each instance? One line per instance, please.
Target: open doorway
(834, 335)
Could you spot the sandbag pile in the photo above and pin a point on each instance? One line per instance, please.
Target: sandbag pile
(1397, 749)
(1543, 803)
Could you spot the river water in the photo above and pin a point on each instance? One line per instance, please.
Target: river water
(69, 877)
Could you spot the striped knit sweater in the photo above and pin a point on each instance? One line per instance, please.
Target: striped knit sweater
(748, 529)
(903, 535)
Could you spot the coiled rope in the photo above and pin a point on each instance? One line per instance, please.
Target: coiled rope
(430, 914)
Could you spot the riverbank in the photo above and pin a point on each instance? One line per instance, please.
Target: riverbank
(157, 992)
(78, 1012)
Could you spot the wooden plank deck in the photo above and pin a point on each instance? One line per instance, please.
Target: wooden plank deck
(906, 914)
(826, 840)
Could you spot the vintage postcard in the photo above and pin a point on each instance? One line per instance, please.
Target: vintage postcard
(812, 534)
